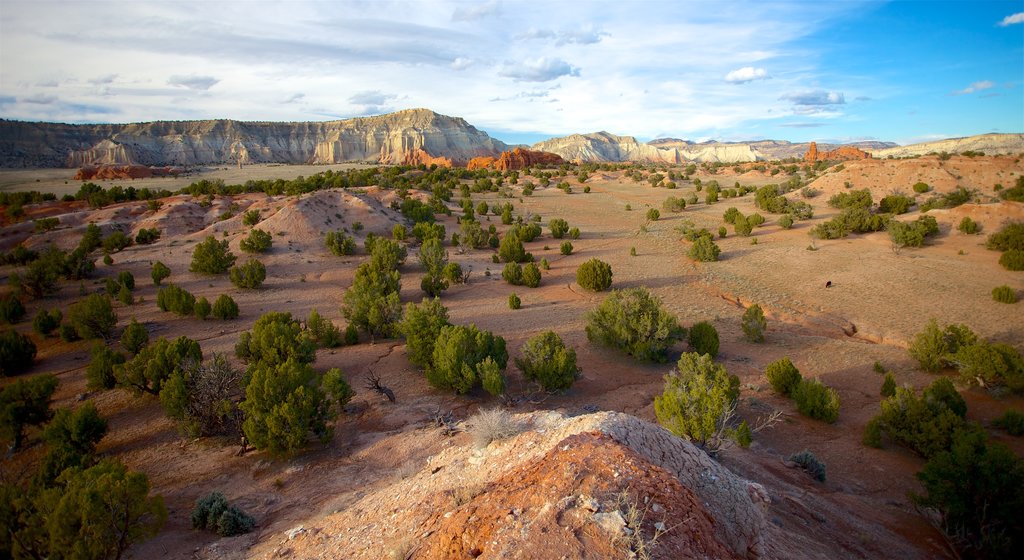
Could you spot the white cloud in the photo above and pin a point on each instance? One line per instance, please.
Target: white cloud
(815, 98)
(294, 98)
(746, 74)
(585, 36)
(461, 63)
(976, 86)
(193, 82)
(541, 70)
(1012, 19)
(477, 11)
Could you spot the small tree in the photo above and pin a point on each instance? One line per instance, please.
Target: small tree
(200, 397)
(25, 402)
(100, 372)
(339, 244)
(514, 302)
(11, 309)
(704, 249)
(558, 227)
(339, 389)
(46, 322)
(594, 275)
(17, 352)
(75, 431)
(372, 302)
(513, 273)
(212, 257)
(549, 362)
(258, 241)
(434, 258)
(816, 400)
(458, 354)
(703, 339)
(326, 333)
(653, 214)
(225, 308)
(698, 400)
(511, 248)
(421, 325)
(249, 275)
(176, 300)
(783, 376)
(635, 322)
(566, 248)
(93, 317)
(274, 338)
(251, 217)
(154, 364)
(214, 513)
(531, 275)
(202, 308)
(888, 386)
(283, 404)
(159, 272)
(754, 323)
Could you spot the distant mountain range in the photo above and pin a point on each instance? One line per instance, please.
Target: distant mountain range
(412, 136)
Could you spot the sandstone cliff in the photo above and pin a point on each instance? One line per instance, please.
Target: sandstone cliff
(990, 144)
(606, 147)
(729, 152)
(406, 137)
(518, 158)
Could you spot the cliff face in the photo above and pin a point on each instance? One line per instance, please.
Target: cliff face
(412, 136)
(603, 146)
(991, 144)
(842, 153)
(515, 159)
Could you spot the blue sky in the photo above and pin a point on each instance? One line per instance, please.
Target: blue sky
(902, 71)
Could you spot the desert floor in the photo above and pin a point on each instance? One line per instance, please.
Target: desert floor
(878, 300)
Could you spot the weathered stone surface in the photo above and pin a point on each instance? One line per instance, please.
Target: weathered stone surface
(518, 158)
(412, 136)
(603, 146)
(842, 153)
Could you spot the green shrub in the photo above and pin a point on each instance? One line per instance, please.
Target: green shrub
(990, 365)
(284, 402)
(549, 362)
(895, 204)
(514, 302)
(808, 462)
(135, 337)
(888, 385)
(458, 354)
(159, 272)
(977, 487)
(153, 365)
(817, 401)
(45, 322)
(753, 323)
(513, 273)
(251, 217)
(116, 242)
(214, 513)
(673, 204)
(1013, 259)
(258, 241)
(11, 309)
(594, 275)
(531, 275)
(147, 236)
(783, 376)
(851, 199)
(511, 248)
(202, 308)
(558, 227)
(421, 325)
(176, 300)
(1012, 421)
(1004, 294)
(921, 187)
(249, 275)
(338, 243)
(93, 317)
(704, 249)
(948, 200)
(653, 215)
(326, 334)
(968, 226)
(1010, 236)
(698, 400)
(566, 248)
(25, 402)
(703, 339)
(225, 308)
(634, 321)
(212, 257)
(786, 222)
(933, 347)
(923, 424)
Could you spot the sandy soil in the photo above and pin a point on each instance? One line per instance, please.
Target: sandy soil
(877, 301)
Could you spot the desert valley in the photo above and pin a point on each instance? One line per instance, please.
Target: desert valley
(343, 413)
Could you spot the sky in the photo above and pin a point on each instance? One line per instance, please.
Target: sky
(834, 71)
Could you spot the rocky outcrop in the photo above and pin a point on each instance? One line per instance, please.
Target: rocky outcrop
(607, 147)
(842, 153)
(990, 144)
(518, 158)
(125, 172)
(737, 152)
(411, 136)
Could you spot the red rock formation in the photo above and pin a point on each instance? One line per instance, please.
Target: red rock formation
(842, 153)
(125, 172)
(418, 156)
(485, 162)
(518, 158)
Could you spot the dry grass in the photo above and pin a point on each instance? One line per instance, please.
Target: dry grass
(492, 425)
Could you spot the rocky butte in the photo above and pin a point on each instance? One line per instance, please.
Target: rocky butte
(842, 153)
